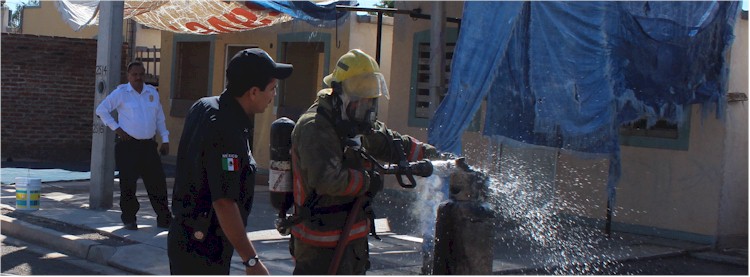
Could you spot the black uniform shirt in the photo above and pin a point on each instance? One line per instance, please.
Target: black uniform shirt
(214, 159)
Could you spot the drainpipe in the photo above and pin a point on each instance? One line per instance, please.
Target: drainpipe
(464, 235)
(437, 54)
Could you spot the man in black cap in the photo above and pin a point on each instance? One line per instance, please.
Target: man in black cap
(215, 181)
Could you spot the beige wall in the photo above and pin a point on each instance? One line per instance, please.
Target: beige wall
(4, 16)
(147, 37)
(675, 190)
(45, 20)
(733, 217)
(702, 190)
(267, 39)
(365, 38)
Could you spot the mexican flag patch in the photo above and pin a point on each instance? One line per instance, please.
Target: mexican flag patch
(230, 162)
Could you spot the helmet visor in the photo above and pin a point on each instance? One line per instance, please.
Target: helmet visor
(363, 110)
(368, 85)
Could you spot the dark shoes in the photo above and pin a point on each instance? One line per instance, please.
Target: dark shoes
(160, 223)
(130, 226)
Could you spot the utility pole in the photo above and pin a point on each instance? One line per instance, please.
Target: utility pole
(437, 54)
(108, 62)
(437, 88)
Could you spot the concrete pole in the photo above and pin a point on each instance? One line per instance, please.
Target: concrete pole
(437, 70)
(108, 62)
(437, 54)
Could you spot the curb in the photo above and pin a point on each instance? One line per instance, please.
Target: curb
(58, 241)
(720, 258)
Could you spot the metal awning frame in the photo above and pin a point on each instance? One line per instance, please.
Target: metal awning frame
(415, 14)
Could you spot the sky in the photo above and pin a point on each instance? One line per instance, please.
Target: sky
(12, 4)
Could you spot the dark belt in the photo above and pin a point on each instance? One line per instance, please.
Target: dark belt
(119, 139)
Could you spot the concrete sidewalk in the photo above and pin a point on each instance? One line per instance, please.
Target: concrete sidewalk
(65, 223)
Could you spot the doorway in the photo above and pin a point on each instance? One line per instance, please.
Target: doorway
(299, 90)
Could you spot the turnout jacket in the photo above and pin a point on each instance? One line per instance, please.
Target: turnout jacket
(333, 177)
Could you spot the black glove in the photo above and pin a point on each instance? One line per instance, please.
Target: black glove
(376, 183)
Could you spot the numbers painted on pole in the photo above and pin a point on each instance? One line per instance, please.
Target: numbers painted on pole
(98, 127)
(101, 70)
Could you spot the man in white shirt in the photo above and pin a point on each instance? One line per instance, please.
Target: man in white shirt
(140, 117)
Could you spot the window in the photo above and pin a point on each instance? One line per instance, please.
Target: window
(662, 134)
(309, 52)
(193, 72)
(420, 110)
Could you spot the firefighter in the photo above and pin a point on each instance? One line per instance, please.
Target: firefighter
(328, 173)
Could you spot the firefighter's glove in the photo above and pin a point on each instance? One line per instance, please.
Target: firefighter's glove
(376, 183)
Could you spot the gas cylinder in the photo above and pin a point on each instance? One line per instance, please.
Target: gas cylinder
(280, 167)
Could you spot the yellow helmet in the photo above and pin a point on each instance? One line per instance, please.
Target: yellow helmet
(359, 75)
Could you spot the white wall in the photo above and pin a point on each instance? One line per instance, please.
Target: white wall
(4, 17)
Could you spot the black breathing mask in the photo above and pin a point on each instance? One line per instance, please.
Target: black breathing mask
(360, 113)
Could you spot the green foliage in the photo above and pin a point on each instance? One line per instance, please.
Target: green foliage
(386, 4)
(16, 17)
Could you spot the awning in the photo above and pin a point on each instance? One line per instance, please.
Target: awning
(207, 17)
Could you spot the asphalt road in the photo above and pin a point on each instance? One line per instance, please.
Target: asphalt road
(22, 258)
(676, 265)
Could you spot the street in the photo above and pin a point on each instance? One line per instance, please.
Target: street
(22, 258)
(676, 265)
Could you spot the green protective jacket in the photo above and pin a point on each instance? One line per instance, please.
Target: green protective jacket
(324, 171)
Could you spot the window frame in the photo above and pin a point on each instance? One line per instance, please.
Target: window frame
(451, 36)
(179, 106)
(682, 142)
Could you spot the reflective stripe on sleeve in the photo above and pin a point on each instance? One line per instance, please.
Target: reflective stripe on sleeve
(415, 151)
(356, 180)
(298, 189)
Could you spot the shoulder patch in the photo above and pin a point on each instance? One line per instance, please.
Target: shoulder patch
(230, 162)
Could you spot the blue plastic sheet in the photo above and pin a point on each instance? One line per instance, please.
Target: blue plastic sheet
(319, 15)
(569, 74)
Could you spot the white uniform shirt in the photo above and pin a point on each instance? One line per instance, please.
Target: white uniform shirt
(140, 114)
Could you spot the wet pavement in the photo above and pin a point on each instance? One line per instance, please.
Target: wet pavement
(65, 223)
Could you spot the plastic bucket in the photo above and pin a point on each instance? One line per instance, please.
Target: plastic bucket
(27, 193)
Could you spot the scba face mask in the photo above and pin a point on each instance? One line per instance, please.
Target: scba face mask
(362, 110)
(358, 115)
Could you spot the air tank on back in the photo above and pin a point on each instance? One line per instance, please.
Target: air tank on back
(280, 168)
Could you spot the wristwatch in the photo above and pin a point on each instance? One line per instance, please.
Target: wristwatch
(251, 262)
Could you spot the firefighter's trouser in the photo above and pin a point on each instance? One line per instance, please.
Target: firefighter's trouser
(312, 260)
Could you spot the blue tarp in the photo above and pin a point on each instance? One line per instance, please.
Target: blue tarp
(569, 74)
(322, 15)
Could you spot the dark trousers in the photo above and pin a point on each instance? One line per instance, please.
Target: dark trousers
(140, 159)
(187, 256)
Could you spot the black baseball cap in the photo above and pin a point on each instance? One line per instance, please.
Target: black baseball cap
(254, 67)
